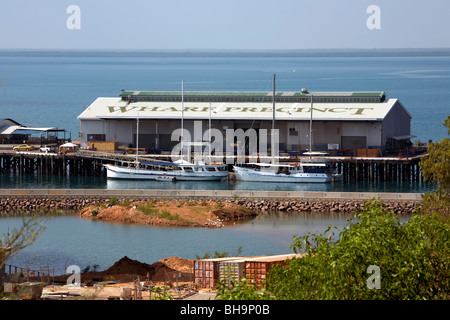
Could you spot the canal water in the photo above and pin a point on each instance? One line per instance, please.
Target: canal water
(29, 181)
(71, 240)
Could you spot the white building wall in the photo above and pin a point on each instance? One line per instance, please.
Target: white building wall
(396, 123)
(324, 132)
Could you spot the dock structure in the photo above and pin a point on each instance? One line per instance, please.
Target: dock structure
(90, 163)
(379, 169)
(49, 164)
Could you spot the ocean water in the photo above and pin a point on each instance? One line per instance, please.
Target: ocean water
(71, 240)
(52, 89)
(29, 181)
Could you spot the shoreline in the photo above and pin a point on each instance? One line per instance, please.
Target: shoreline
(172, 213)
(60, 205)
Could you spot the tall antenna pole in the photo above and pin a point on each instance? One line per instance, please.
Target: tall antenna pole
(182, 117)
(273, 105)
(209, 133)
(310, 126)
(137, 139)
(272, 143)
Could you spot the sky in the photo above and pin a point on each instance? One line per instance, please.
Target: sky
(219, 25)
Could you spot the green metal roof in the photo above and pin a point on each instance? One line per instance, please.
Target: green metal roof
(250, 94)
(367, 94)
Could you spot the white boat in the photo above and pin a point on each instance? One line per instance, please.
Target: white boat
(292, 172)
(168, 171)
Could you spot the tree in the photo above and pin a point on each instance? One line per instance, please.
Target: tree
(436, 168)
(218, 254)
(413, 258)
(12, 243)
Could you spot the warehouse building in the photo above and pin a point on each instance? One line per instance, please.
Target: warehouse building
(339, 120)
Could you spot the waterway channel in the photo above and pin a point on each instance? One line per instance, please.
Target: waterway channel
(71, 240)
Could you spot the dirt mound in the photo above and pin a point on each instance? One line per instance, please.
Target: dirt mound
(128, 266)
(158, 271)
(208, 214)
(179, 264)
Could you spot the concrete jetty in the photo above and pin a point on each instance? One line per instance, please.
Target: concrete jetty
(17, 201)
(209, 194)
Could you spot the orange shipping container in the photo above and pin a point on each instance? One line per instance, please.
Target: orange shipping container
(257, 269)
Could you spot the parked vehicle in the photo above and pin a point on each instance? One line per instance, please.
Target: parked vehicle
(46, 149)
(23, 147)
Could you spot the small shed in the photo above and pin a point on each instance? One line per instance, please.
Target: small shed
(68, 147)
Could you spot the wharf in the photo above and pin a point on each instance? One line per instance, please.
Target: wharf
(209, 194)
(90, 163)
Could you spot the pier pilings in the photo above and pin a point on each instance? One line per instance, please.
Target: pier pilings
(352, 169)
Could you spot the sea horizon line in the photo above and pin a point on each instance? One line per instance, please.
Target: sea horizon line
(321, 52)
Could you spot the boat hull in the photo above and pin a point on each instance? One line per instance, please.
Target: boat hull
(113, 172)
(248, 174)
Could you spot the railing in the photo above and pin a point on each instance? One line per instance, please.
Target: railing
(14, 274)
(116, 156)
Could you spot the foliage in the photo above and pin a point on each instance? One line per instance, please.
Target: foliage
(148, 209)
(218, 254)
(88, 268)
(165, 214)
(436, 168)
(241, 290)
(413, 259)
(113, 201)
(12, 243)
(125, 203)
(160, 293)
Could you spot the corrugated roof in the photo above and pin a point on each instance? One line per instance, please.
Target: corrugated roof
(115, 108)
(251, 93)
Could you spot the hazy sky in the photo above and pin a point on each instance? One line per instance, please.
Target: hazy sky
(226, 24)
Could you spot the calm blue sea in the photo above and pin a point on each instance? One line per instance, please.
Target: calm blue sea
(71, 240)
(53, 88)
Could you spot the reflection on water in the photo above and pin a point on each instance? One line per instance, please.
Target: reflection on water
(73, 240)
(52, 182)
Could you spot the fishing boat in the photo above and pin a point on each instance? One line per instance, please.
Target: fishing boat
(315, 167)
(168, 171)
(302, 172)
(165, 170)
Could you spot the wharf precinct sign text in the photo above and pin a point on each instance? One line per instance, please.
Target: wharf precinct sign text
(356, 111)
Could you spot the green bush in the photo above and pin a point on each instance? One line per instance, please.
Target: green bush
(412, 257)
(113, 201)
(148, 209)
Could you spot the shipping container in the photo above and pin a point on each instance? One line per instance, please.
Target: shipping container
(206, 271)
(257, 269)
(231, 270)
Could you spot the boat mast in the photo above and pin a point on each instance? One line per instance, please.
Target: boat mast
(209, 133)
(310, 126)
(273, 105)
(273, 121)
(137, 139)
(182, 117)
